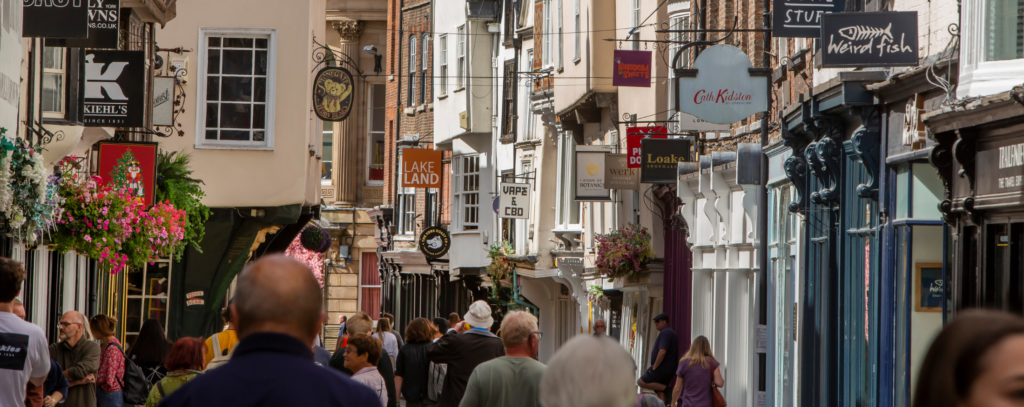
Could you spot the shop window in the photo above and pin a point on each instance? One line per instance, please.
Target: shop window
(327, 153)
(375, 138)
(467, 190)
(147, 298)
(236, 87)
(918, 192)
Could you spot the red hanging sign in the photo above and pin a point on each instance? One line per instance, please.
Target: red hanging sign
(633, 137)
(130, 166)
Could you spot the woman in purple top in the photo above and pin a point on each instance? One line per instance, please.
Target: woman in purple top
(697, 372)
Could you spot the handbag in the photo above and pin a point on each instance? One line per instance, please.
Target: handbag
(716, 396)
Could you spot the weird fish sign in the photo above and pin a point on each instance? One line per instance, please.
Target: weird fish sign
(882, 38)
(332, 94)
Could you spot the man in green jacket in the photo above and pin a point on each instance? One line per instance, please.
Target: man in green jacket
(80, 357)
(512, 380)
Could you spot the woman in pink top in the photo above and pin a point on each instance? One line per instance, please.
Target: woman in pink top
(111, 371)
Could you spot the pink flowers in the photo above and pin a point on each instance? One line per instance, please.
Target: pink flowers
(313, 260)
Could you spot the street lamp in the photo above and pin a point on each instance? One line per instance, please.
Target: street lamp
(372, 50)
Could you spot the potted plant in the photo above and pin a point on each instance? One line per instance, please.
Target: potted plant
(624, 253)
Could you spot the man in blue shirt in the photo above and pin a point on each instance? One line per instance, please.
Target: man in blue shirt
(664, 359)
(278, 308)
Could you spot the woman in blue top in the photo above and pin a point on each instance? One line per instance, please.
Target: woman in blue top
(697, 372)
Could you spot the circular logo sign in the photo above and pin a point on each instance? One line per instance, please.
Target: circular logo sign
(332, 94)
(435, 242)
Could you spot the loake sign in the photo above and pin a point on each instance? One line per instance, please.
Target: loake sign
(421, 168)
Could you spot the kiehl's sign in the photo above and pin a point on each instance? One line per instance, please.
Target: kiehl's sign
(114, 89)
(660, 159)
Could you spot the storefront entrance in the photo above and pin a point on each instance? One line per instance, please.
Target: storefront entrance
(1000, 283)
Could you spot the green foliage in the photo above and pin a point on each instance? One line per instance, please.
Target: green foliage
(174, 183)
(624, 253)
(119, 175)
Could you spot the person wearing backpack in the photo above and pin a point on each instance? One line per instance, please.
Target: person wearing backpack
(150, 350)
(111, 370)
(220, 346)
(183, 364)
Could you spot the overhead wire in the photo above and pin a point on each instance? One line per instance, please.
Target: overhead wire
(402, 31)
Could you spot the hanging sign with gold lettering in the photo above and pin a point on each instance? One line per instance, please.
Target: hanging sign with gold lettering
(332, 94)
(660, 159)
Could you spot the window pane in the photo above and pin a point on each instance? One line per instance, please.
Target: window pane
(261, 43)
(213, 61)
(213, 88)
(237, 62)
(238, 42)
(214, 41)
(259, 116)
(236, 89)
(260, 91)
(261, 62)
(133, 314)
(257, 135)
(211, 115)
(235, 115)
(211, 134)
(1004, 29)
(53, 58)
(53, 93)
(234, 135)
(156, 308)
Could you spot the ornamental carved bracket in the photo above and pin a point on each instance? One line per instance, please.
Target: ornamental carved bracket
(965, 150)
(796, 171)
(941, 158)
(815, 164)
(866, 142)
(795, 140)
(830, 154)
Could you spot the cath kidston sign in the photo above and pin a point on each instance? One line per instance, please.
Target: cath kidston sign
(723, 91)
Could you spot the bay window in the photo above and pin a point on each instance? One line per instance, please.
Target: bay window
(991, 47)
(236, 88)
(467, 190)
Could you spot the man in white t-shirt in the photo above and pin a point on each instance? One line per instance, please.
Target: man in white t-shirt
(24, 356)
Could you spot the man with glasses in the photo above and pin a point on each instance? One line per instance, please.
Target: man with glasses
(80, 358)
(514, 379)
(23, 359)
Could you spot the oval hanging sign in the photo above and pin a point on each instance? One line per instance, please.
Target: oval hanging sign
(332, 94)
(435, 242)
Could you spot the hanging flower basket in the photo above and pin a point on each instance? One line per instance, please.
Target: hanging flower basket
(315, 238)
(29, 199)
(313, 260)
(624, 253)
(500, 267)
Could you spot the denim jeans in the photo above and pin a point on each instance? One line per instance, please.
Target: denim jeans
(104, 399)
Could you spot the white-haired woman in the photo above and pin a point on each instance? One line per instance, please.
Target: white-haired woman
(589, 372)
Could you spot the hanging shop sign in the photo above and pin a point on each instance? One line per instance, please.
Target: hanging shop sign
(55, 18)
(10, 64)
(632, 68)
(114, 89)
(913, 128)
(514, 201)
(103, 23)
(163, 101)
(661, 158)
(590, 174)
(723, 91)
(802, 18)
(332, 94)
(435, 242)
(130, 166)
(879, 38)
(1002, 163)
(618, 175)
(421, 168)
(633, 137)
(689, 122)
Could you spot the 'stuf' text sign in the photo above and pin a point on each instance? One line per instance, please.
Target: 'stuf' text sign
(515, 201)
(802, 18)
(882, 38)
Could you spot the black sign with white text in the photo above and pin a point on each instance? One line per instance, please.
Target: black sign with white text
(114, 90)
(103, 27)
(879, 38)
(802, 18)
(55, 19)
(660, 159)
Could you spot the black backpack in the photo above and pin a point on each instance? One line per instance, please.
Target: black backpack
(134, 386)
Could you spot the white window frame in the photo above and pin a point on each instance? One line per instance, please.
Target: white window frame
(323, 131)
(566, 180)
(405, 206)
(370, 133)
(62, 71)
(634, 15)
(979, 77)
(461, 193)
(576, 30)
(558, 20)
(546, 35)
(412, 72)
(443, 40)
(461, 59)
(200, 107)
(424, 87)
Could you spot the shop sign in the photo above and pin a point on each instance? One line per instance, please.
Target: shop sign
(1002, 166)
(928, 297)
(913, 127)
(878, 38)
(632, 68)
(115, 89)
(802, 18)
(332, 94)
(435, 242)
(661, 160)
(131, 166)
(10, 65)
(192, 298)
(55, 18)
(633, 137)
(421, 168)
(163, 101)
(514, 201)
(618, 175)
(590, 175)
(104, 17)
(689, 122)
(723, 91)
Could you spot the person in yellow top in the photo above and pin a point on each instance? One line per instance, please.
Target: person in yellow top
(219, 346)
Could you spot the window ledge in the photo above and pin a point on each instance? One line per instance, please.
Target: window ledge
(229, 147)
(442, 97)
(561, 69)
(459, 89)
(466, 232)
(576, 61)
(404, 238)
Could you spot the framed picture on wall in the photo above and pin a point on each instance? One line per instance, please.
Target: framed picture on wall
(929, 287)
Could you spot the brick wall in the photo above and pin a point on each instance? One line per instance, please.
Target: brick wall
(393, 106)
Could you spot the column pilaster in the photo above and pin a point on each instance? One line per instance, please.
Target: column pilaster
(346, 133)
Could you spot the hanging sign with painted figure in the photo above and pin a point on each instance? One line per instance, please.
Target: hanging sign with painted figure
(55, 18)
(332, 94)
(872, 39)
(104, 32)
(802, 18)
(723, 91)
(618, 175)
(632, 68)
(633, 137)
(590, 174)
(130, 166)
(514, 201)
(661, 160)
(114, 89)
(10, 64)
(421, 168)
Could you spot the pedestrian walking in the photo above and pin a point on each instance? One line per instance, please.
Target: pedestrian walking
(664, 360)
(463, 349)
(24, 363)
(412, 371)
(184, 362)
(278, 309)
(600, 329)
(589, 372)
(392, 328)
(55, 387)
(512, 380)
(219, 346)
(80, 357)
(974, 362)
(361, 356)
(437, 370)
(696, 373)
(387, 338)
(111, 368)
(341, 331)
(453, 320)
(150, 350)
(361, 324)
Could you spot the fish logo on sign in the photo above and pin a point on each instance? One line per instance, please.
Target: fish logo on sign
(862, 32)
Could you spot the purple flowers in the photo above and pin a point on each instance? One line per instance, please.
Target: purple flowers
(624, 252)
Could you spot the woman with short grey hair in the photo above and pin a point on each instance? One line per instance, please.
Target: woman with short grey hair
(589, 372)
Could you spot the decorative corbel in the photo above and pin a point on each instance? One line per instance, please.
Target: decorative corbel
(686, 210)
(965, 150)
(710, 211)
(723, 193)
(796, 171)
(941, 158)
(814, 162)
(830, 152)
(866, 142)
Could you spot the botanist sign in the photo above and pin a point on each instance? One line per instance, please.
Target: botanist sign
(590, 174)
(661, 158)
(723, 91)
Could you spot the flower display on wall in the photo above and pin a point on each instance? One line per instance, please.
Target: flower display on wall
(315, 238)
(29, 200)
(624, 253)
(314, 260)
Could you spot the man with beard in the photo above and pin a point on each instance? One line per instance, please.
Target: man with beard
(80, 357)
